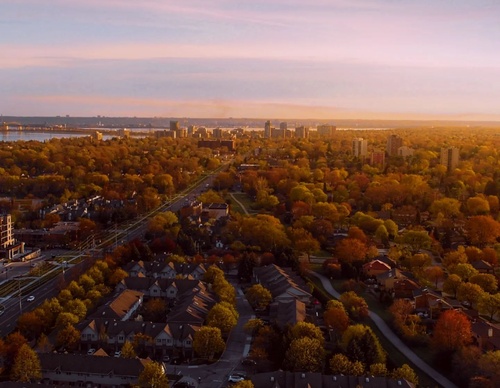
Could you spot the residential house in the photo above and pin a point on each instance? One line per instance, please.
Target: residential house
(375, 267)
(283, 283)
(485, 334)
(287, 312)
(83, 370)
(483, 266)
(285, 379)
(156, 339)
(387, 279)
(404, 288)
(123, 307)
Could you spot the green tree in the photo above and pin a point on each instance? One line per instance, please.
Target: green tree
(258, 296)
(26, 365)
(208, 342)
(153, 376)
(305, 355)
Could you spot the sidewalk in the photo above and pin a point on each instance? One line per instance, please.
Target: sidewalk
(393, 338)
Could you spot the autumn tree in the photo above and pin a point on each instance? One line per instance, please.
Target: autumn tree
(208, 342)
(258, 296)
(341, 365)
(253, 325)
(464, 270)
(489, 365)
(406, 321)
(361, 344)
(26, 367)
(489, 304)
(128, 350)
(350, 250)
(303, 241)
(434, 274)
(305, 329)
(469, 292)
(415, 240)
(486, 281)
(336, 319)
(221, 317)
(405, 372)
(69, 337)
(482, 230)
(356, 306)
(451, 332)
(305, 354)
(452, 284)
(153, 376)
(244, 384)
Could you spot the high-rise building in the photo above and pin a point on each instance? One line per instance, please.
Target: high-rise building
(174, 125)
(326, 130)
(217, 133)
(302, 132)
(6, 231)
(268, 130)
(394, 142)
(283, 126)
(9, 246)
(360, 147)
(450, 157)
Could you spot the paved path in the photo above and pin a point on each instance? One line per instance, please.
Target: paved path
(389, 334)
(239, 203)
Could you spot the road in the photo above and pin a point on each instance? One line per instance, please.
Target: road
(237, 346)
(13, 306)
(393, 338)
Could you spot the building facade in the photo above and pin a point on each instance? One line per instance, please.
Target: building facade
(450, 157)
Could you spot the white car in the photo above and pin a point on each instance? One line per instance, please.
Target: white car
(90, 352)
(118, 354)
(30, 298)
(236, 378)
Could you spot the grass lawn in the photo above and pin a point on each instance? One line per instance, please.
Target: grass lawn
(245, 201)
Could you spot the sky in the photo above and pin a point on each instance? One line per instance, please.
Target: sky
(324, 59)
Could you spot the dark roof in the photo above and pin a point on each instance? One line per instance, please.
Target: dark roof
(78, 363)
(284, 379)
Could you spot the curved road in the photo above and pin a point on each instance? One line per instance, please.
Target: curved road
(389, 334)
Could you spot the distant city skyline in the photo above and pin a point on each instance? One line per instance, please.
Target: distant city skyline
(327, 59)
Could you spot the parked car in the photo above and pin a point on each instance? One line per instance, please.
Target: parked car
(30, 298)
(166, 358)
(118, 353)
(236, 378)
(90, 351)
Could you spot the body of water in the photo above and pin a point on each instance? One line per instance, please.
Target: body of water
(9, 136)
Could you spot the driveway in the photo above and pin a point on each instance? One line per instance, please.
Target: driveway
(237, 346)
(389, 334)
